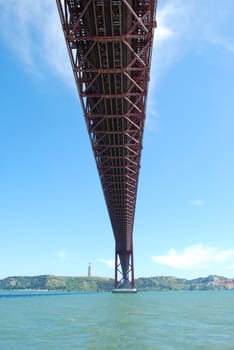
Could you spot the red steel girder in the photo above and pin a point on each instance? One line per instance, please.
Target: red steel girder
(124, 277)
(109, 44)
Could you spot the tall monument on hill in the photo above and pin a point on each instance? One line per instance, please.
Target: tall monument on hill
(89, 270)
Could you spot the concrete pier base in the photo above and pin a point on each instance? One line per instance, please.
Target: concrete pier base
(124, 290)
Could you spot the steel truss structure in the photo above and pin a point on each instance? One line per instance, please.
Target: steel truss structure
(110, 43)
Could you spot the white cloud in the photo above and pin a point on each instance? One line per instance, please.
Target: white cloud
(226, 44)
(230, 267)
(198, 202)
(152, 120)
(108, 262)
(171, 40)
(163, 33)
(32, 29)
(61, 255)
(185, 26)
(171, 36)
(37, 34)
(194, 257)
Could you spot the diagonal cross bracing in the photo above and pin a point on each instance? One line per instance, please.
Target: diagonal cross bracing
(109, 44)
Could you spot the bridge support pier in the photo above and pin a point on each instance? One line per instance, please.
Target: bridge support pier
(124, 272)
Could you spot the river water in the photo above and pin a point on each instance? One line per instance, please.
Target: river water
(150, 320)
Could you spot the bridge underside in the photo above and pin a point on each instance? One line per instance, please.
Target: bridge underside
(109, 43)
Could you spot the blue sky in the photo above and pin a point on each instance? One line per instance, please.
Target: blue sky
(53, 218)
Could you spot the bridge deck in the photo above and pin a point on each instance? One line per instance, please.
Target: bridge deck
(109, 43)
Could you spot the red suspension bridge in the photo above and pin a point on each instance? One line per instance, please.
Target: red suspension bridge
(110, 44)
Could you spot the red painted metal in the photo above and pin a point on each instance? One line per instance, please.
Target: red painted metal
(109, 44)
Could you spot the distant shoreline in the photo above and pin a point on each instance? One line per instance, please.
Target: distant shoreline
(49, 283)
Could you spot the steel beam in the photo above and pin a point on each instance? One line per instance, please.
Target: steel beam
(109, 45)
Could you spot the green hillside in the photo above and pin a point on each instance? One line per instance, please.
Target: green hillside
(57, 283)
(101, 284)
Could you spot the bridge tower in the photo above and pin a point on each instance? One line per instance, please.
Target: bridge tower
(110, 44)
